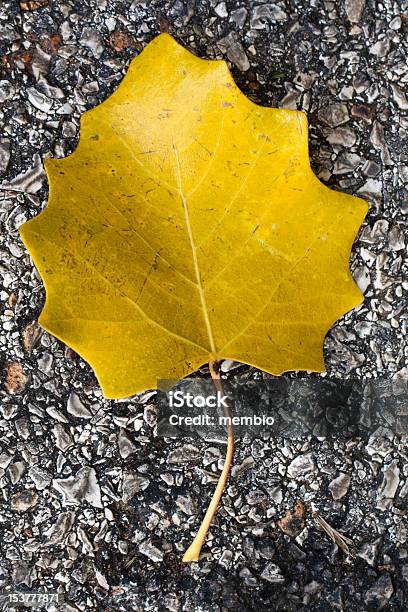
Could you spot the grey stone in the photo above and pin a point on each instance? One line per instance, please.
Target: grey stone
(248, 577)
(150, 414)
(395, 24)
(239, 16)
(313, 587)
(81, 487)
(60, 529)
(377, 136)
(92, 40)
(264, 14)
(69, 129)
(39, 100)
(8, 411)
(184, 454)
(276, 494)
(334, 114)
(63, 439)
(400, 97)
(5, 152)
(152, 552)
(23, 573)
(5, 459)
(40, 477)
(56, 414)
(378, 596)
(45, 362)
(301, 465)
(101, 580)
(40, 65)
(272, 573)
(362, 277)
(7, 91)
(371, 169)
(346, 162)
(23, 501)
(266, 549)
(342, 136)
(126, 446)
(221, 10)
(4, 576)
(226, 558)
(396, 238)
(29, 181)
(240, 468)
(380, 48)
(235, 51)
(186, 504)
(77, 408)
(389, 484)
(54, 93)
(400, 381)
(87, 546)
(339, 486)
(15, 471)
(354, 9)
(133, 483)
(369, 551)
(371, 188)
(23, 427)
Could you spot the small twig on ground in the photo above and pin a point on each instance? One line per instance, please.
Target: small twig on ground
(338, 538)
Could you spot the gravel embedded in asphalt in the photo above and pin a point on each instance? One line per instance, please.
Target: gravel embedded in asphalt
(95, 504)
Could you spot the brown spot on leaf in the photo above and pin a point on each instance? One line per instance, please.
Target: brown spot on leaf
(293, 522)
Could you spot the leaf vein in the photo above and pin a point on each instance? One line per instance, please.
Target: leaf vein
(194, 254)
(123, 294)
(281, 280)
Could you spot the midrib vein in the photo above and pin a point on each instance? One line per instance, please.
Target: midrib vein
(194, 253)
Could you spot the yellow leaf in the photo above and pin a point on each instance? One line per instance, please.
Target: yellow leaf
(187, 226)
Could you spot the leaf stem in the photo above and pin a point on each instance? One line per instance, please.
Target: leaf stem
(193, 551)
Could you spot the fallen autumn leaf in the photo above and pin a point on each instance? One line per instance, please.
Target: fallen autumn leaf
(187, 226)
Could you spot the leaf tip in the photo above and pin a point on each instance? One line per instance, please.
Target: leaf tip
(166, 43)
